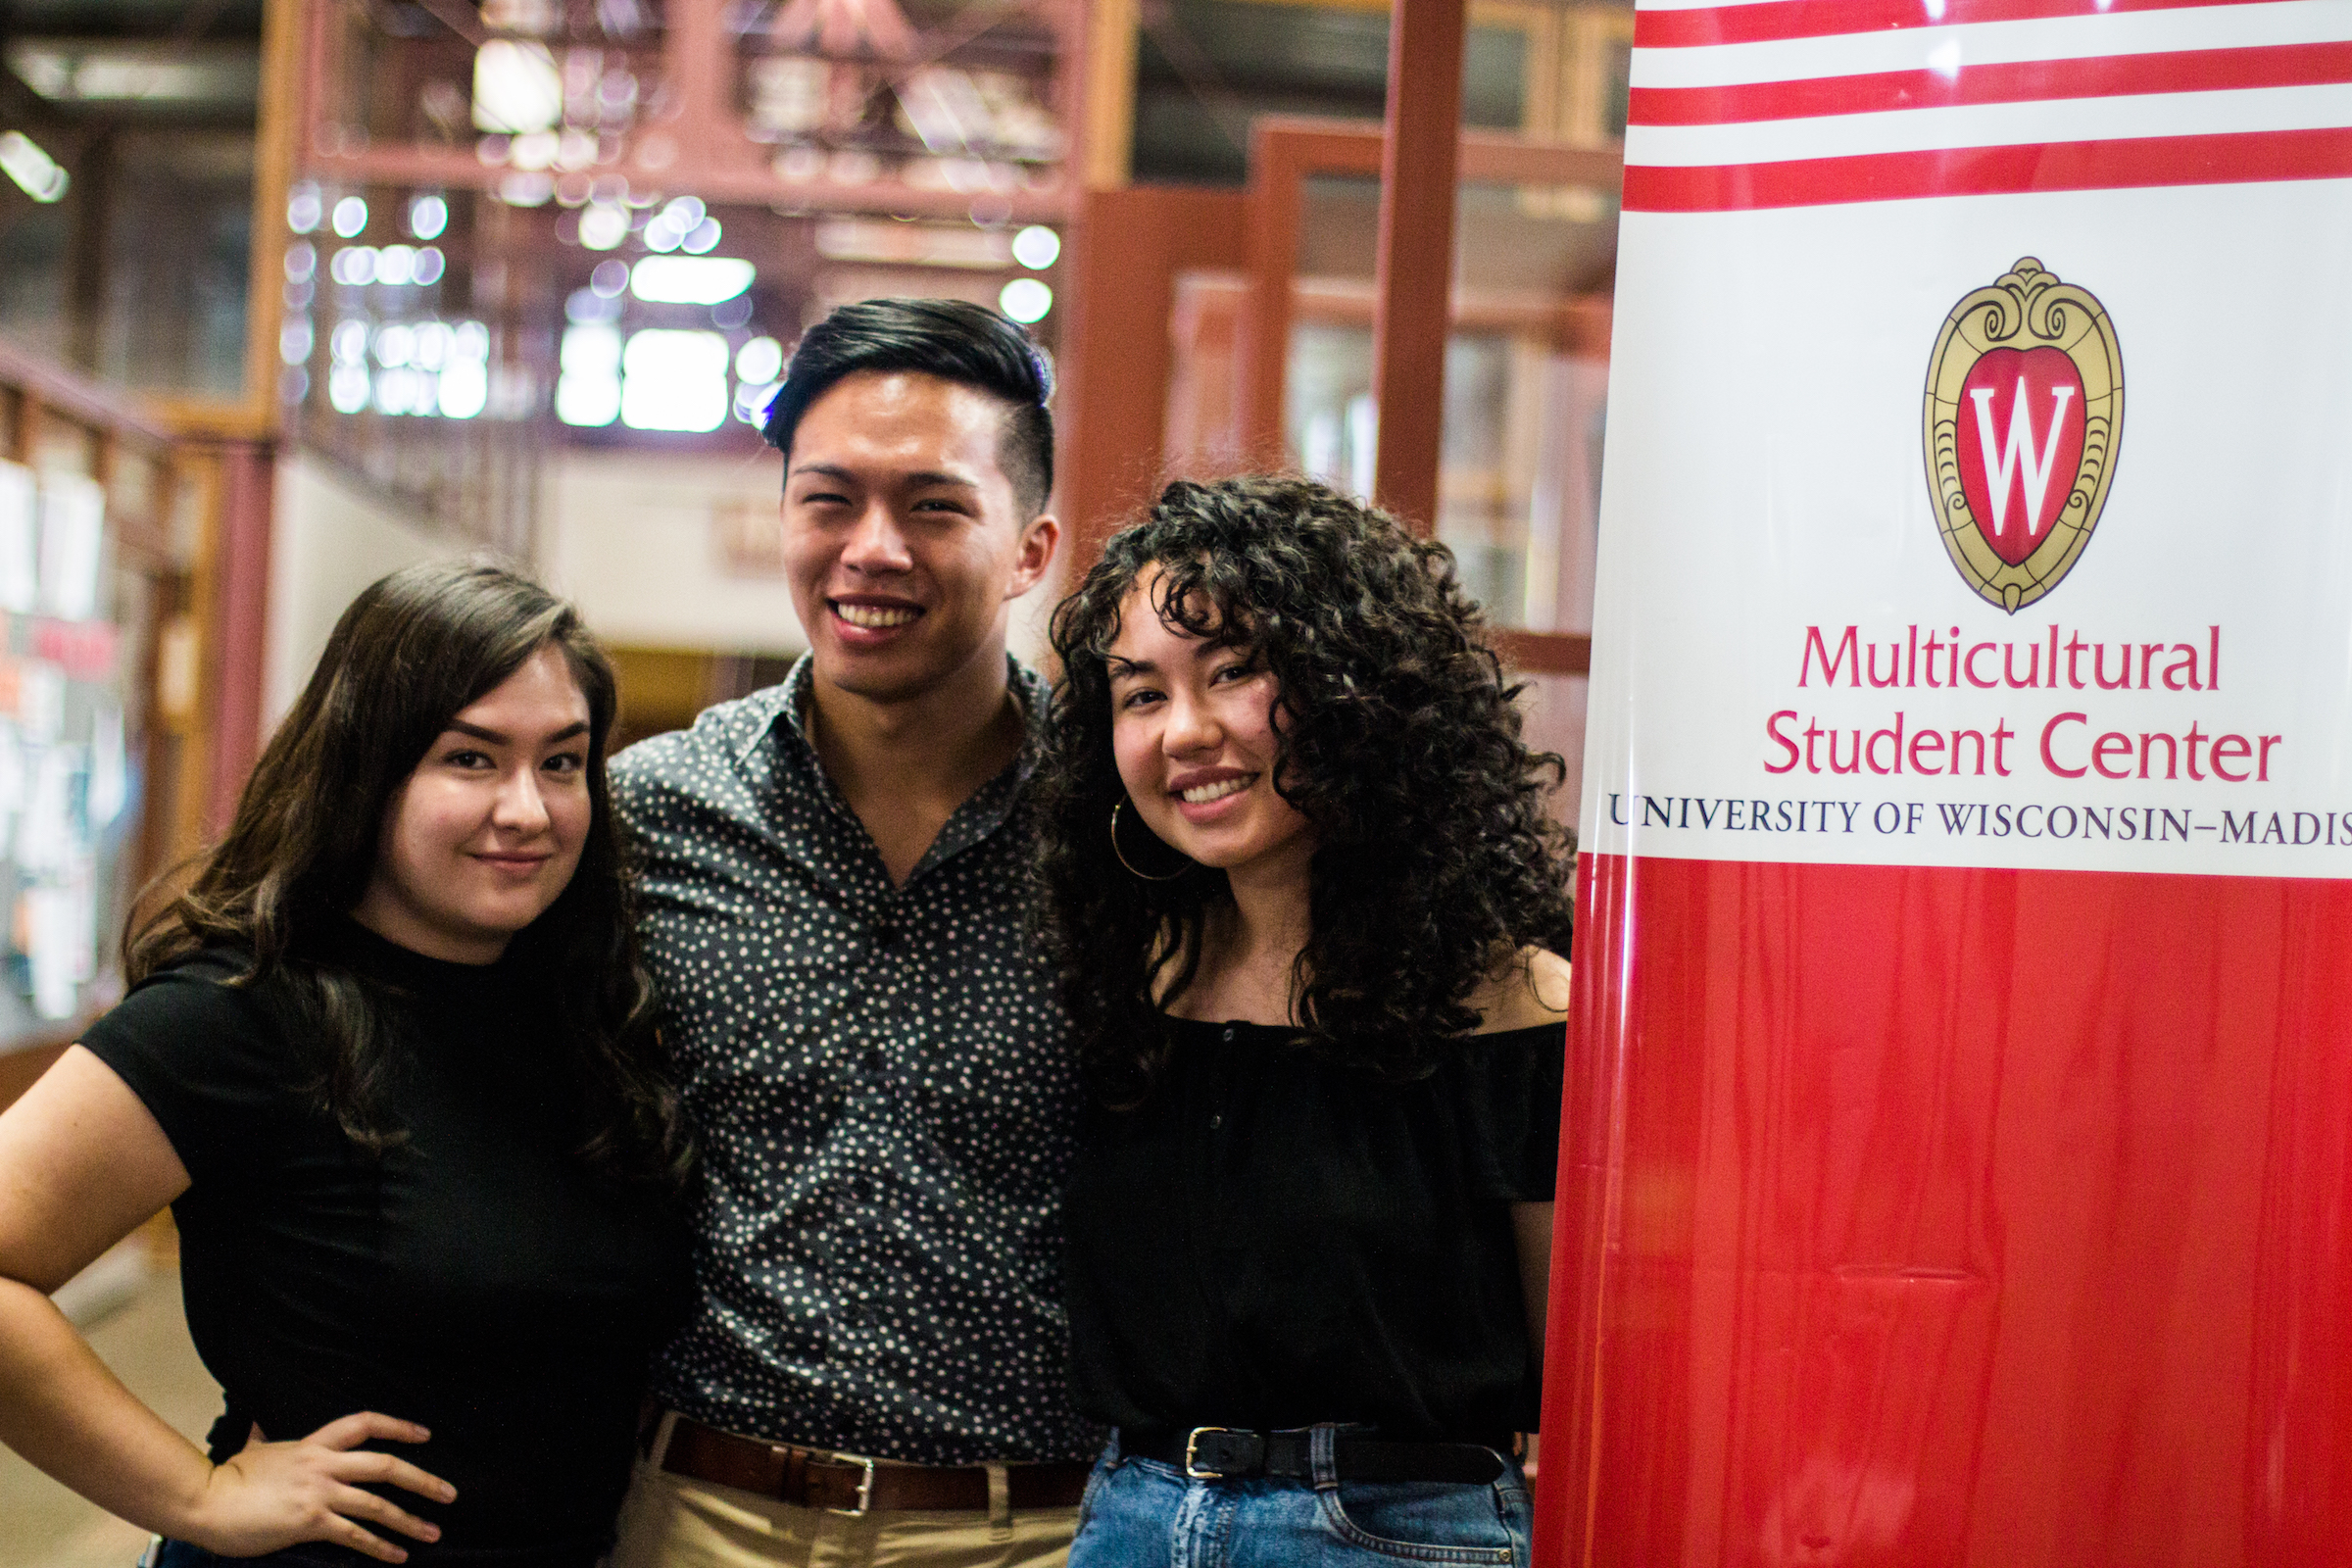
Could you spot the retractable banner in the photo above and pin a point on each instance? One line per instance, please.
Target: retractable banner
(1958, 1158)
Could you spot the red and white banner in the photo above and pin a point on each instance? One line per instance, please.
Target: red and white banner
(1958, 1159)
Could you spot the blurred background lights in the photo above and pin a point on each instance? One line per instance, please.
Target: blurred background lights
(394, 345)
(36, 173)
(517, 88)
(404, 390)
(302, 260)
(304, 212)
(429, 367)
(759, 360)
(752, 399)
(694, 281)
(1036, 247)
(395, 265)
(347, 388)
(603, 226)
(585, 305)
(429, 215)
(526, 189)
(351, 217)
(1026, 300)
(674, 380)
(534, 151)
(465, 389)
(588, 400)
(591, 351)
(588, 392)
(685, 222)
(610, 278)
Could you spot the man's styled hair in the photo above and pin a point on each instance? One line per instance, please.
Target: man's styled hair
(951, 339)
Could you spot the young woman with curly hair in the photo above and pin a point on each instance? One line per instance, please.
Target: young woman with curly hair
(1308, 909)
(390, 1059)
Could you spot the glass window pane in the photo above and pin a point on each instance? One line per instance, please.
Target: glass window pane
(1526, 377)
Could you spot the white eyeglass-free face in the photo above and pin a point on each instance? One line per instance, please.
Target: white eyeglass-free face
(1191, 732)
(903, 539)
(487, 831)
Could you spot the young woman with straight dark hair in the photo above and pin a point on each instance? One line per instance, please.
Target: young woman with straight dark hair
(1308, 909)
(389, 1058)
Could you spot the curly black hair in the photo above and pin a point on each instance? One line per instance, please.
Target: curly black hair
(1396, 738)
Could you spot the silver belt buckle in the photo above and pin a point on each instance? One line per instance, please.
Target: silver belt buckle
(866, 1486)
(1191, 1447)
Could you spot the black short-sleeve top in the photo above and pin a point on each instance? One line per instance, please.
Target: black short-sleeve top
(1274, 1239)
(478, 1278)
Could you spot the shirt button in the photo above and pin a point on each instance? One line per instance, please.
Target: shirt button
(1215, 1122)
(1229, 1034)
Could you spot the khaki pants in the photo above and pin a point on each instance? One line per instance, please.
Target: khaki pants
(672, 1522)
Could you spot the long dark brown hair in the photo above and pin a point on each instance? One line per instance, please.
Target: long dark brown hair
(1397, 737)
(413, 650)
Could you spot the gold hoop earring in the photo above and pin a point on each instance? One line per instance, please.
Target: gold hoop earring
(1143, 876)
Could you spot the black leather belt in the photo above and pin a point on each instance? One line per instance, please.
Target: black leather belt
(1230, 1453)
(852, 1484)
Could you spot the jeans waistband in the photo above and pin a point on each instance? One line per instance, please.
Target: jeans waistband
(1324, 1454)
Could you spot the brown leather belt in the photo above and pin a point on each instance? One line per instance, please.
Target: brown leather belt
(852, 1484)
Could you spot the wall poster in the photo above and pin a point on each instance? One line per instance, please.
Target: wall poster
(68, 779)
(1958, 1158)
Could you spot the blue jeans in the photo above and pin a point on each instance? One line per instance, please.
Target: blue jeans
(1141, 1513)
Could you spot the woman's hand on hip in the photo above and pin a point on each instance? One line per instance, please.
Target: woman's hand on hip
(275, 1495)
(82, 1161)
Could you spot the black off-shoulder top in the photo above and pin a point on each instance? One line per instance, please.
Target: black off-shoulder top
(1274, 1239)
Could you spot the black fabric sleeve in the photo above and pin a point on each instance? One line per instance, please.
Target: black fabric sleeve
(209, 1061)
(1510, 1110)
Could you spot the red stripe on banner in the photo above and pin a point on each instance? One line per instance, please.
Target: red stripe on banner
(1936, 1218)
(1817, 18)
(2239, 158)
(2294, 64)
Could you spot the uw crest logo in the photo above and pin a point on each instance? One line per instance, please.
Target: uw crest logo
(2024, 408)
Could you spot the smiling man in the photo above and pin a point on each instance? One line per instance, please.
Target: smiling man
(836, 910)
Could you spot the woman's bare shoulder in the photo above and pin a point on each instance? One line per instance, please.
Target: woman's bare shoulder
(1530, 990)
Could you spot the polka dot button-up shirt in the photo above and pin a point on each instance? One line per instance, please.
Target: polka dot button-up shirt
(885, 1093)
